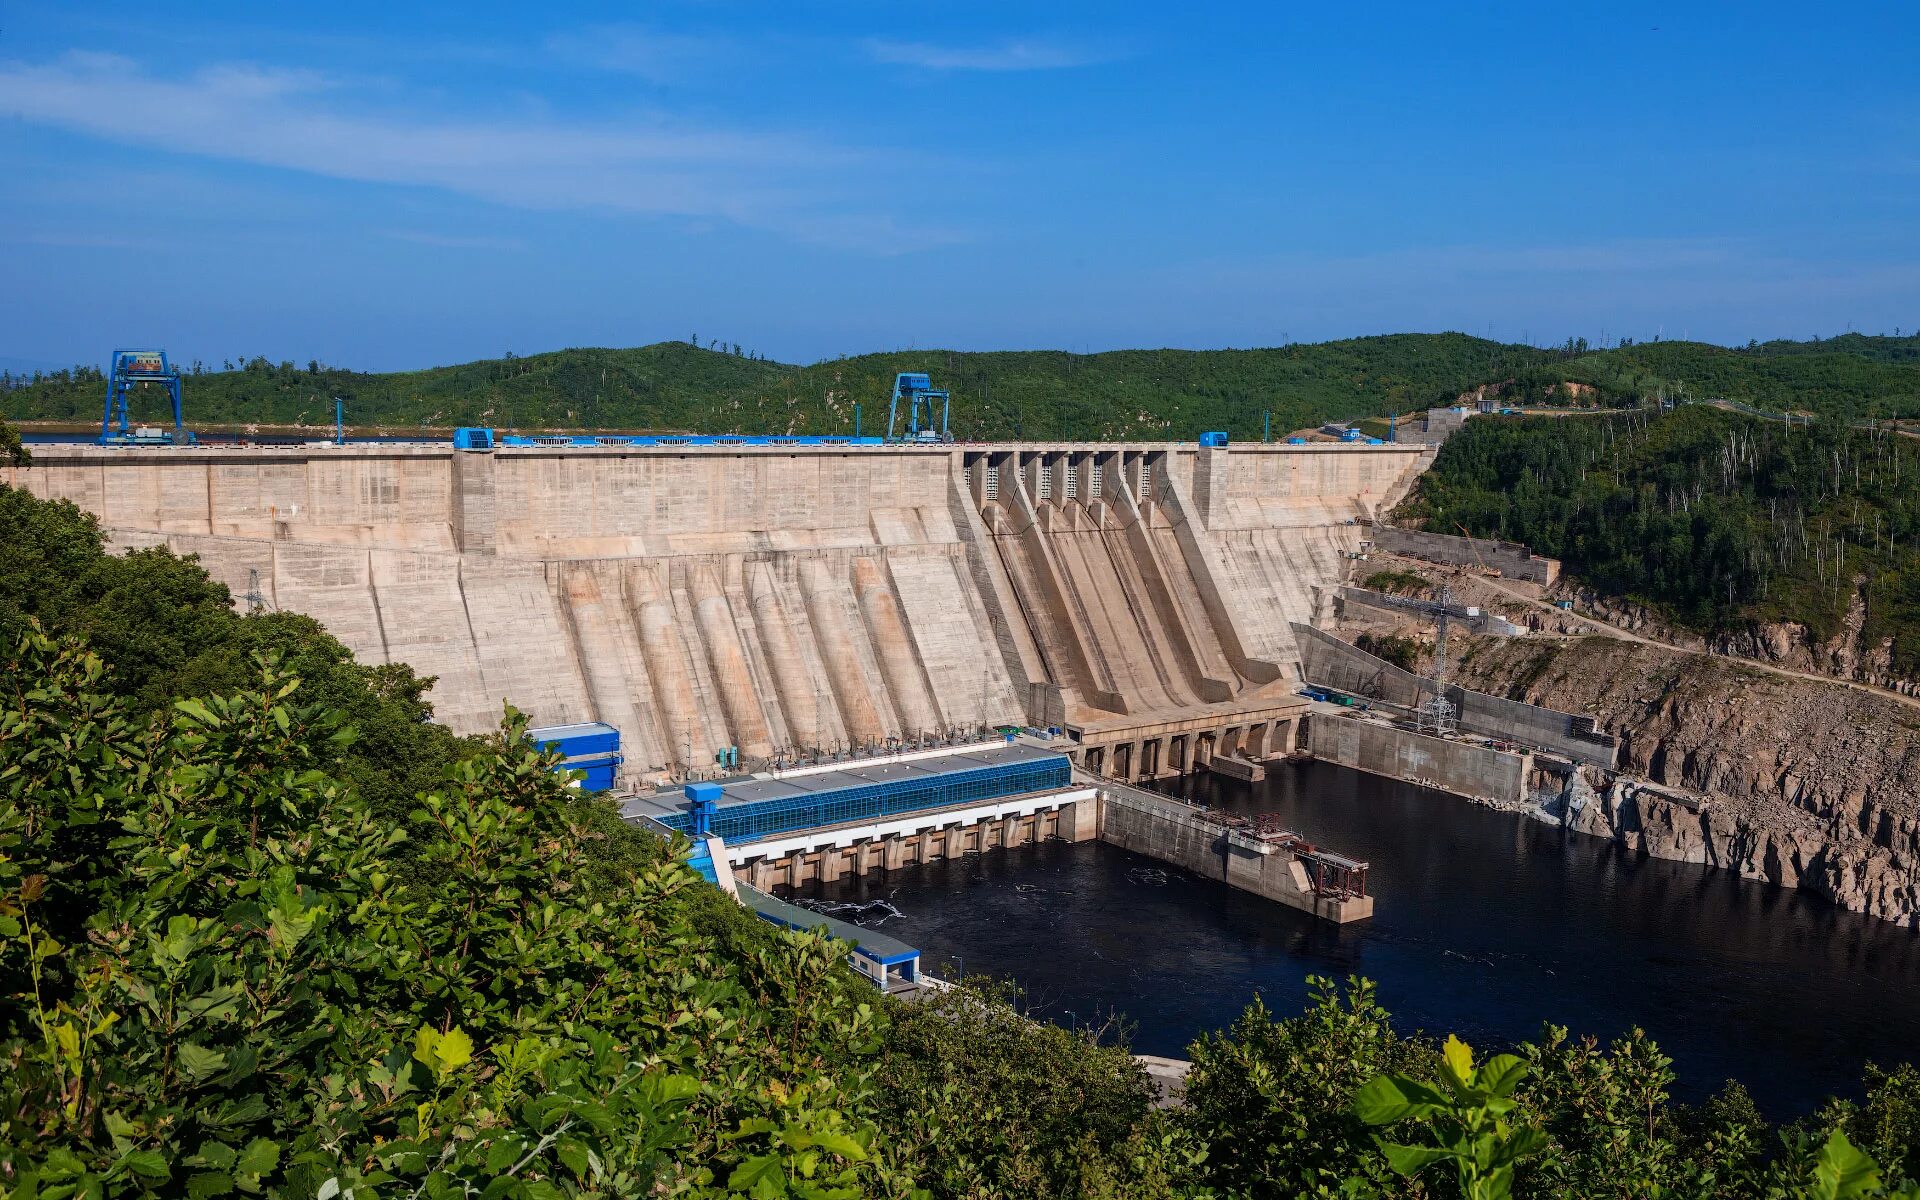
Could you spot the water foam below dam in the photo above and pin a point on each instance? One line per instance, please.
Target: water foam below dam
(783, 600)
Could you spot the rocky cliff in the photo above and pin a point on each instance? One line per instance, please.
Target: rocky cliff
(1791, 781)
(1850, 652)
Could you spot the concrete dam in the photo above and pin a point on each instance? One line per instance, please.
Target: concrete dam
(788, 600)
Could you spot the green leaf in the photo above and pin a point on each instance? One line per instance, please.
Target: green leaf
(199, 1062)
(426, 1042)
(1385, 1099)
(753, 1170)
(258, 1158)
(1411, 1160)
(1843, 1171)
(841, 1144)
(148, 1163)
(442, 1053)
(197, 710)
(1501, 1074)
(574, 1156)
(217, 1155)
(1457, 1059)
(207, 1184)
(456, 1049)
(240, 1112)
(1525, 1142)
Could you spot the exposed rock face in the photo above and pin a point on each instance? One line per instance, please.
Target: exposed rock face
(1803, 784)
(1848, 654)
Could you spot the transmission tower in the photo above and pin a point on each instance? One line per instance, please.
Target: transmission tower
(256, 601)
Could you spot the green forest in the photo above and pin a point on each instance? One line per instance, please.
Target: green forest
(1716, 518)
(266, 929)
(1125, 394)
(1152, 394)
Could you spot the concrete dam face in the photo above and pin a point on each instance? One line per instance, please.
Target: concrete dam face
(784, 600)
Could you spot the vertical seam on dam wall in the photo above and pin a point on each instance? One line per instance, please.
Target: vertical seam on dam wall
(373, 598)
(473, 639)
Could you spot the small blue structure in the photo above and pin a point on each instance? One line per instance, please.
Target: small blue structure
(916, 388)
(471, 438)
(703, 800)
(127, 370)
(1213, 439)
(591, 746)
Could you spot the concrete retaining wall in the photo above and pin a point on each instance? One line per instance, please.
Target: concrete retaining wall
(1172, 832)
(1511, 559)
(1456, 767)
(1330, 662)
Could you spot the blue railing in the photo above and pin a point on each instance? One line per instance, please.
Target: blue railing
(690, 439)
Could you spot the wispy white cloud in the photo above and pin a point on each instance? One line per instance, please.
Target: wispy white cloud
(1020, 54)
(650, 54)
(654, 164)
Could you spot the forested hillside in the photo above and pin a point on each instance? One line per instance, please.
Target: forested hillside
(1853, 377)
(1716, 518)
(1126, 394)
(673, 385)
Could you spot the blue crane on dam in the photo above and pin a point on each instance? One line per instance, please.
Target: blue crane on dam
(130, 369)
(916, 388)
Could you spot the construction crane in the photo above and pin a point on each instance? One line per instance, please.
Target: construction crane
(916, 388)
(128, 370)
(1436, 714)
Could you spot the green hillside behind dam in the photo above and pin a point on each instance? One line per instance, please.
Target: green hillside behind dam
(1122, 394)
(1724, 523)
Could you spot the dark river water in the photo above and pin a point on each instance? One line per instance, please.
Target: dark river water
(1486, 925)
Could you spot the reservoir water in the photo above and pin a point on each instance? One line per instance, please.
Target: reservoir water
(1487, 925)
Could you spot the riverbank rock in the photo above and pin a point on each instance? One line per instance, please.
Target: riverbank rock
(1799, 783)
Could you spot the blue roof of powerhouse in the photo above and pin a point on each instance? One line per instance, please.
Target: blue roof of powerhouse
(885, 770)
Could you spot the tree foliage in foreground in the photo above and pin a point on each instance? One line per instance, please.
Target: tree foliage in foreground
(248, 996)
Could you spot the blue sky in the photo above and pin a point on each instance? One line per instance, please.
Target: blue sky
(397, 185)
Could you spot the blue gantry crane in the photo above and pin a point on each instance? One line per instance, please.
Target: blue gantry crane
(916, 388)
(128, 370)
